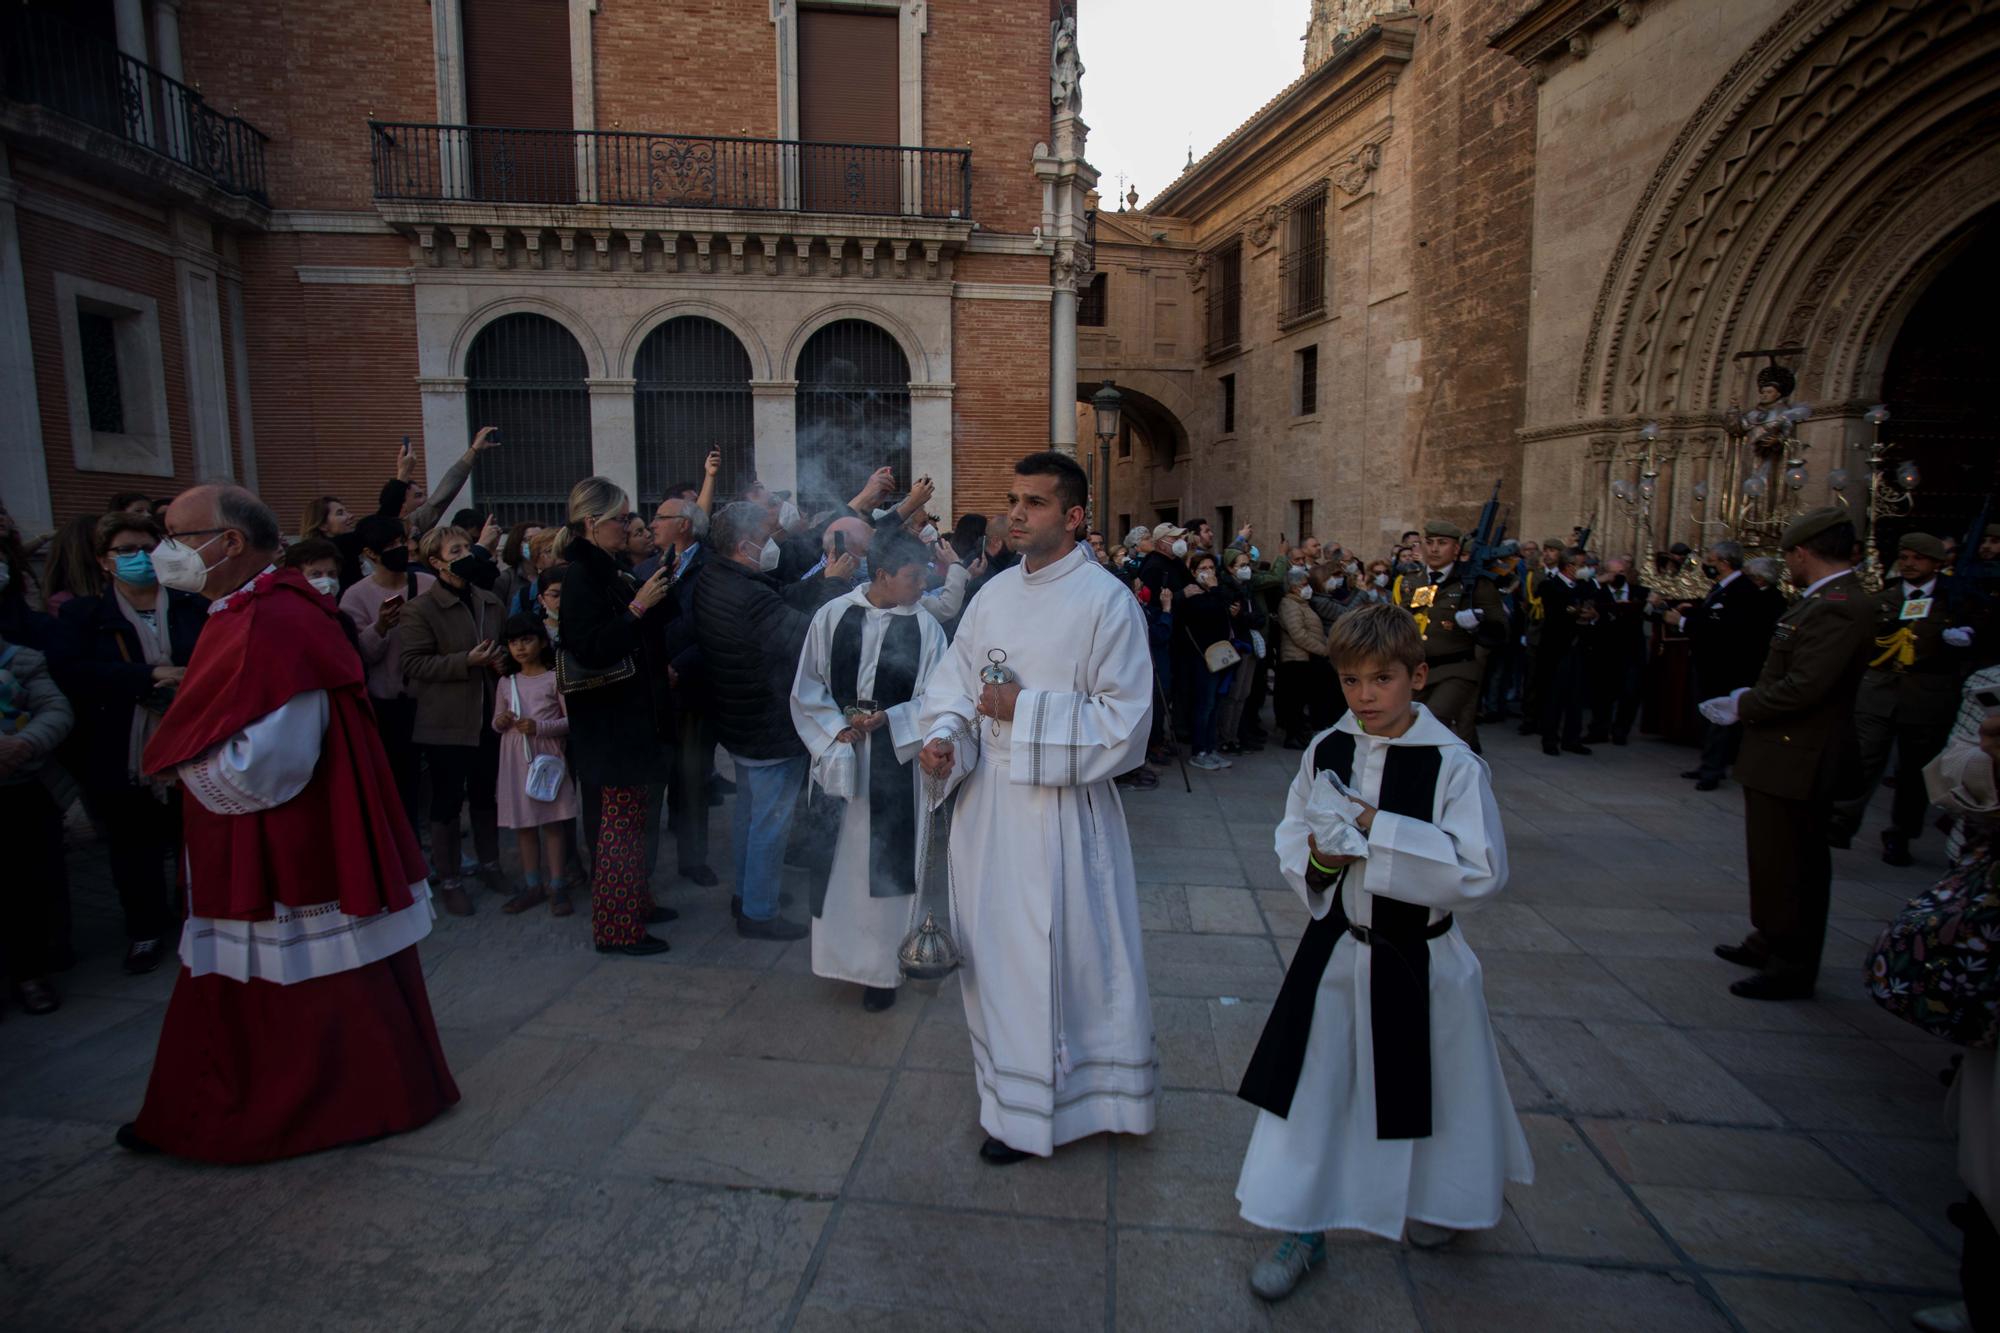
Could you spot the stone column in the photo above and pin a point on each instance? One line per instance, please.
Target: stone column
(614, 441)
(447, 35)
(130, 17)
(1062, 367)
(774, 418)
(197, 289)
(24, 474)
(167, 37)
(447, 432)
(930, 440)
(239, 361)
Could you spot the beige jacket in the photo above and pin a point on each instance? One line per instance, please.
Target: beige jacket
(1302, 636)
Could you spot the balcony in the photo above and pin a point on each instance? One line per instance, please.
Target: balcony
(79, 97)
(497, 191)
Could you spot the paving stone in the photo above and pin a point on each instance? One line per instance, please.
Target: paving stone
(1184, 1280)
(1185, 1038)
(1702, 1156)
(1576, 1209)
(1238, 1024)
(656, 1255)
(1184, 1173)
(34, 1151)
(1515, 927)
(1497, 1294)
(1284, 913)
(1223, 911)
(100, 1078)
(1800, 1055)
(659, 1008)
(575, 1124)
(807, 1018)
(1690, 1084)
(925, 1151)
(494, 1094)
(1842, 1239)
(1163, 907)
(1913, 1174)
(762, 1124)
(1764, 1305)
(1695, 993)
(1905, 1107)
(467, 988)
(1180, 865)
(900, 1267)
(1212, 965)
(1550, 985)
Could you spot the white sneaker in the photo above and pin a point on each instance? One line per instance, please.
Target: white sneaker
(1427, 1237)
(1943, 1319)
(1279, 1271)
(1223, 760)
(1207, 761)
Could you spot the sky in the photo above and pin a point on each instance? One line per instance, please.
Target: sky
(1160, 75)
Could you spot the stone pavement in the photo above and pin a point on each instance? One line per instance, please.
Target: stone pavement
(717, 1139)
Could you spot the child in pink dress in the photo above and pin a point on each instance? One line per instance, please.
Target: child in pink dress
(528, 714)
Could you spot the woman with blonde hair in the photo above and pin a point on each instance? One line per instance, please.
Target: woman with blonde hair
(612, 628)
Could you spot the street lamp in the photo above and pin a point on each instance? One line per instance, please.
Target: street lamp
(1109, 405)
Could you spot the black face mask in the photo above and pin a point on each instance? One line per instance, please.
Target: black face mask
(1618, 581)
(1711, 571)
(396, 559)
(476, 570)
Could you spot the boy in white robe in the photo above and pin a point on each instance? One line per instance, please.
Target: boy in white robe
(871, 646)
(1384, 1108)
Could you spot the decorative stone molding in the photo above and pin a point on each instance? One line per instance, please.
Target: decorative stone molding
(1362, 163)
(1265, 224)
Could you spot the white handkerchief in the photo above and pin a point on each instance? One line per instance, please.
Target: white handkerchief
(1720, 710)
(1330, 814)
(835, 772)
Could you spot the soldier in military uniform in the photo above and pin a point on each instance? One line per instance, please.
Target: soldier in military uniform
(1909, 693)
(1797, 751)
(1461, 618)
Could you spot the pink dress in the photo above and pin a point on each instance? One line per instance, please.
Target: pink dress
(539, 701)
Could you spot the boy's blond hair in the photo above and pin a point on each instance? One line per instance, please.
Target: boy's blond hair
(1375, 634)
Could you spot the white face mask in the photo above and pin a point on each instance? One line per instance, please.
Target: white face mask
(180, 566)
(788, 514)
(1206, 578)
(767, 559)
(326, 583)
(929, 534)
(1588, 572)
(367, 568)
(1179, 548)
(1381, 580)
(1242, 573)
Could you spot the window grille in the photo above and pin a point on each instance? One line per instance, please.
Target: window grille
(1308, 379)
(853, 412)
(1302, 271)
(1225, 300)
(525, 374)
(693, 394)
(1090, 304)
(1304, 509)
(98, 336)
(1228, 404)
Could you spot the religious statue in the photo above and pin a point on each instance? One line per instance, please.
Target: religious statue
(1771, 421)
(1065, 67)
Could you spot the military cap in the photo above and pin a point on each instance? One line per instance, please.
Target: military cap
(1925, 545)
(1557, 544)
(1812, 523)
(1438, 527)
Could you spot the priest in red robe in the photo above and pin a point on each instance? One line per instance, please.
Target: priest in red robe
(299, 1020)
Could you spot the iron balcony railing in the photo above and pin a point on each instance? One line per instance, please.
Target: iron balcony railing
(481, 164)
(79, 75)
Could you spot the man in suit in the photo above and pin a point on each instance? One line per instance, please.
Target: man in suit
(1572, 614)
(1909, 693)
(679, 528)
(1797, 751)
(1618, 664)
(1461, 617)
(1729, 632)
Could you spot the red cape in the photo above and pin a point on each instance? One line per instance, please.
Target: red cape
(343, 839)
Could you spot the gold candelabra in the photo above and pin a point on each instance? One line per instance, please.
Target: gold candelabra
(1891, 491)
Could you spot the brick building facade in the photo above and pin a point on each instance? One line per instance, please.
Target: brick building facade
(268, 241)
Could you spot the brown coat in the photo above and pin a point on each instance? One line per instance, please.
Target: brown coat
(1797, 720)
(1301, 635)
(454, 699)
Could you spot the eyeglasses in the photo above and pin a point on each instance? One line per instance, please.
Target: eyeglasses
(194, 532)
(131, 550)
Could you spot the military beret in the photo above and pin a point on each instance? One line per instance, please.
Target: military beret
(1812, 523)
(1558, 544)
(1438, 527)
(1507, 550)
(1923, 544)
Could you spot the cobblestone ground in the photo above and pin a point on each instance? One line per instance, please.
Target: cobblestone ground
(717, 1139)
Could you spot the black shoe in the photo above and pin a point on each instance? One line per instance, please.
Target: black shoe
(1231, 748)
(661, 915)
(142, 956)
(701, 875)
(1896, 849)
(1741, 954)
(1708, 784)
(1550, 750)
(645, 947)
(1574, 748)
(777, 928)
(128, 1139)
(1597, 738)
(1766, 986)
(1139, 779)
(1691, 774)
(995, 1153)
(877, 998)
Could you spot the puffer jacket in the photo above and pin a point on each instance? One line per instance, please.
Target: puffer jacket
(32, 709)
(1301, 635)
(751, 629)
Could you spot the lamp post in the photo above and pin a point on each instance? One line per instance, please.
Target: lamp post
(1109, 405)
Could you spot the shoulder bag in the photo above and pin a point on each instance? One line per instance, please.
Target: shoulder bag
(545, 771)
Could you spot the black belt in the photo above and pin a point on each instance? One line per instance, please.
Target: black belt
(1366, 935)
(1451, 659)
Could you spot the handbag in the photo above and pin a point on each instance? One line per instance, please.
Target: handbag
(546, 772)
(1933, 964)
(573, 677)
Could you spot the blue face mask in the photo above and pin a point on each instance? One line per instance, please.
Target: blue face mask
(136, 568)
(1253, 553)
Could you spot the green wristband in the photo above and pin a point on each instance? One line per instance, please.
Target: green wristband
(1313, 861)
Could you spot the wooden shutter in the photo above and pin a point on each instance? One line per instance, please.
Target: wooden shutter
(849, 95)
(517, 78)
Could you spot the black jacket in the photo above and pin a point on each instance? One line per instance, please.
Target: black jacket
(618, 734)
(95, 656)
(750, 630)
(1729, 633)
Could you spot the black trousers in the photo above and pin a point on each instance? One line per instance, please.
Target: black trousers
(142, 837)
(31, 829)
(1791, 880)
(464, 775)
(395, 720)
(1979, 1265)
(687, 790)
(1616, 682)
(1309, 698)
(1718, 749)
(1559, 694)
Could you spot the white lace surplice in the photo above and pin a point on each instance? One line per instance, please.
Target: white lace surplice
(262, 767)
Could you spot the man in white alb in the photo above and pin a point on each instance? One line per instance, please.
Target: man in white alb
(1044, 905)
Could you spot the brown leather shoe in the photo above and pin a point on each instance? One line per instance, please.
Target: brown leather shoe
(529, 896)
(455, 899)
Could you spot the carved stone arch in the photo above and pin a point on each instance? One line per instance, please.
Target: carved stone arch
(586, 337)
(753, 343)
(1783, 186)
(906, 337)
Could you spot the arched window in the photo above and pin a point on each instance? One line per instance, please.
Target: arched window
(853, 412)
(525, 374)
(693, 395)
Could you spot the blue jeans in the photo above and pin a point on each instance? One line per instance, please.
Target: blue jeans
(1207, 693)
(766, 795)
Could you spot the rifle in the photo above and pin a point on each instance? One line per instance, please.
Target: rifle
(1485, 542)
